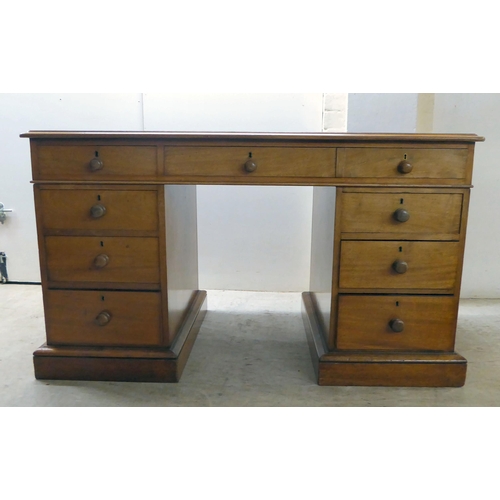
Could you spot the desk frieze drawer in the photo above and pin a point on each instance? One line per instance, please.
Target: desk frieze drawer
(419, 215)
(94, 162)
(368, 265)
(106, 260)
(403, 163)
(102, 318)
(248, 162)
(98, 209)
(392, 322)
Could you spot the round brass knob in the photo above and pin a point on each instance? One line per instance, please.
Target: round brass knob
(96, 164)
(97, 211)
(397, 325)
(250, 166)
(103, 318)
(400, 266)
(401, 215)
(405, 167)
(101, 261)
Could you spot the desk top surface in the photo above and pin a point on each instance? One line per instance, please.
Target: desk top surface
(252, 136)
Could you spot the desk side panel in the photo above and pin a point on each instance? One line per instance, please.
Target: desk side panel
(181, 253)
(322, 254)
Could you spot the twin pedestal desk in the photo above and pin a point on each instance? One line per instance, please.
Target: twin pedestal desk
(116, 217)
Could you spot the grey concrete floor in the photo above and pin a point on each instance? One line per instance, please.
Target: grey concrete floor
(251, 351)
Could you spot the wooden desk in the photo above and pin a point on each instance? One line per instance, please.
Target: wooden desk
(116, 216)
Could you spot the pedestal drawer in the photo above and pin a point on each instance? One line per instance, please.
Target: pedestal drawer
(395, 322)
(431, 215)
(102, 259)
(405, 162)
(102, 318)
(399, 265)
(262, 161)
(98, 209)
(94, 162)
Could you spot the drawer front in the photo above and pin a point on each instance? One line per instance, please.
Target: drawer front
(269, 161)
(99, 209)
(395, 213)
(92, 162)
(106, 259)
(398, 264)
(439, 163)
(392, 322)
(103, 318)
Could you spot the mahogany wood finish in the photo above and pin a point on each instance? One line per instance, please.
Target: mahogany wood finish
(125, 209)
(376, 367)
(322, 255)
(430, 215)
(103, 259)
(181, 246)
(123, 364)
(267, 161)
(371, 265)
(419, 162)
(76, 162)
(116, 218)
(73, 317)
(427, 322)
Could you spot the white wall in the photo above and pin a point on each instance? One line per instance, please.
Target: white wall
(478, 114)
(382, 113)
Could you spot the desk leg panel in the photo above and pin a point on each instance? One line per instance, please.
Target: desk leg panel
(181, 247)
(325, 246)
